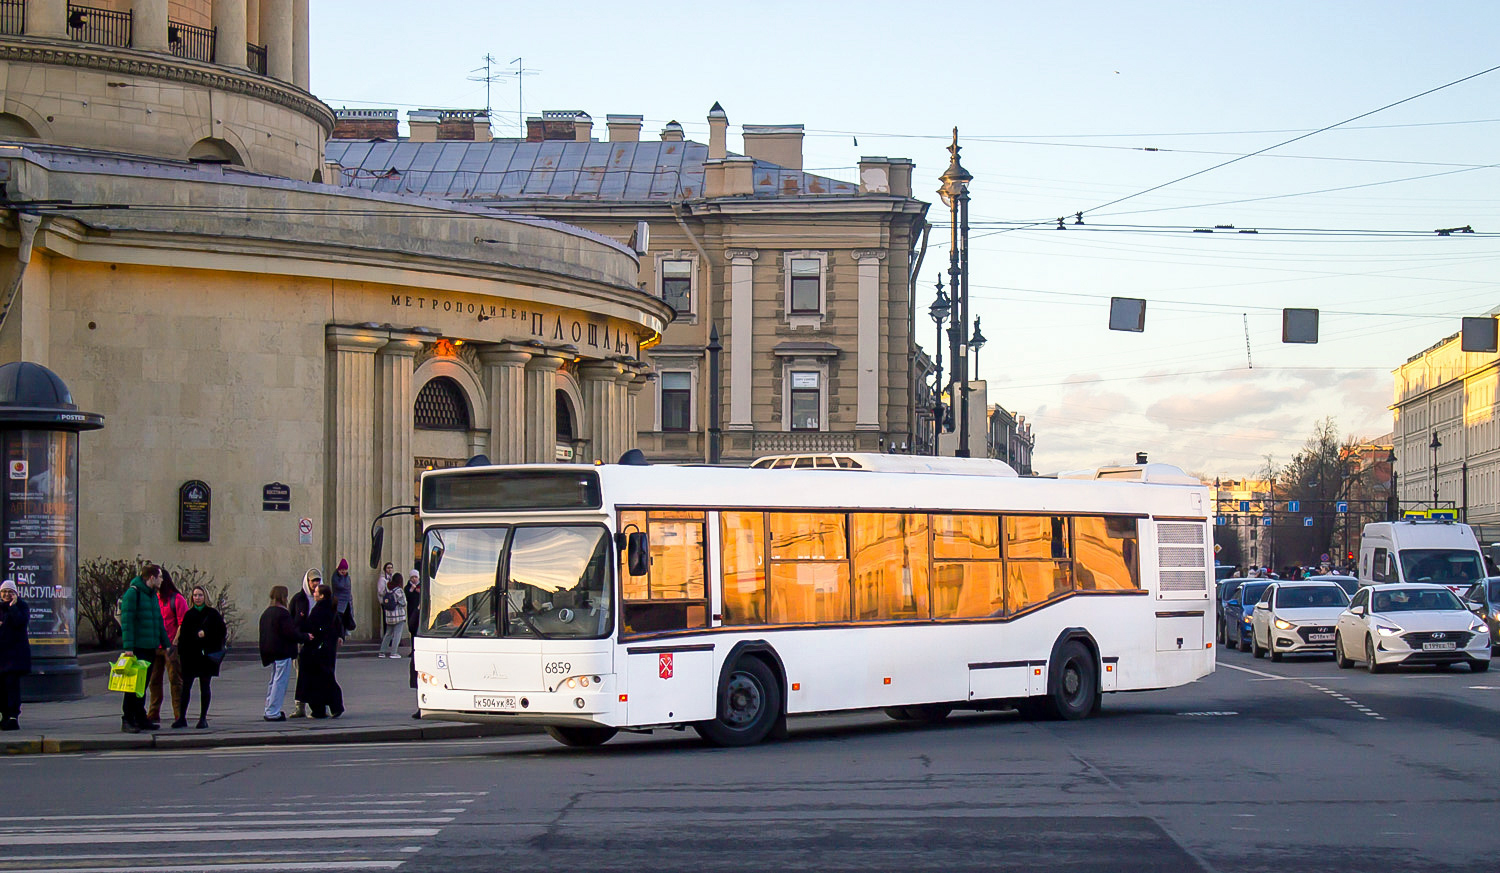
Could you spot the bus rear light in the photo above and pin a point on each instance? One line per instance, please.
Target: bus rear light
(887, 681)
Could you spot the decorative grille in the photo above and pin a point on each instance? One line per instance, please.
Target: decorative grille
(441, 406)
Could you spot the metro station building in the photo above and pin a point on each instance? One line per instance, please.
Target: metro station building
(169, 247)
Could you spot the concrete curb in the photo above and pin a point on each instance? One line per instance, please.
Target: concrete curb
(162, 742)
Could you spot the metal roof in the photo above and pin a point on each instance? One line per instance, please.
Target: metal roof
(553, 170)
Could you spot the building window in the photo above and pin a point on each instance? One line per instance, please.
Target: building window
(441, 406)
(677, 285)
(807, 400)
(806, 286)
(676, 401)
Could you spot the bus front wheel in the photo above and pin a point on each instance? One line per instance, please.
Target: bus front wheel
(582, 736)
(748, 707)
(1075, 688)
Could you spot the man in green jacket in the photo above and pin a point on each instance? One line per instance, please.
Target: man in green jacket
(142, 632)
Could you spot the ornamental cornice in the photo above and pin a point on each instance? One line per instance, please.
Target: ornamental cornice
(132, 63)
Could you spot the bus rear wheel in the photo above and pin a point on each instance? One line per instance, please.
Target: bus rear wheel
(582, 736)
(749, 706)
(1074, 691)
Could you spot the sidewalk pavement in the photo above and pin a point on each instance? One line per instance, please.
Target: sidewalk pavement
(378, 701)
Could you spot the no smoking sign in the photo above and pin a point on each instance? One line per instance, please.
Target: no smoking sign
(304, 531)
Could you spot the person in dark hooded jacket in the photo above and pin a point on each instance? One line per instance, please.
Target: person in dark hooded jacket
(316, 685)
(15, 654)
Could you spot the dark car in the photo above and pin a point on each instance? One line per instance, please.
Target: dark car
(1226, 589)
(1348, 583)
(1483, 599)
(1237, 611)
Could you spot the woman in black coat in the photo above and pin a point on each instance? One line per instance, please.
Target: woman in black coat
(15, 654)
(202, 634)
(321, 629)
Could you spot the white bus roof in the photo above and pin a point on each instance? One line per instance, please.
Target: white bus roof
(883, 463)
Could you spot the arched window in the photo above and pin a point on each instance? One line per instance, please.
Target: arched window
(565, 430)
(214, 151)
(15, 127)
(441, 406)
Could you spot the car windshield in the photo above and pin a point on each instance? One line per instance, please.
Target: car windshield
(1307, 596)
(1415, 600)
(556, 582)
(1443, 566)
(1250, 592)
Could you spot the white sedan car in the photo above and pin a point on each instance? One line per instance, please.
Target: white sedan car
(1294, 618)
(1410, 624)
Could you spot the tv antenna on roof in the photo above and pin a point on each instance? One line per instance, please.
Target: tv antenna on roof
(521, 73)
(489, 78)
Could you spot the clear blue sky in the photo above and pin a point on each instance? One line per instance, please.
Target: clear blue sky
(1066, 107)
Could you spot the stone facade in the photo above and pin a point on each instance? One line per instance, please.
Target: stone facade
(807, 280)
(190, 82)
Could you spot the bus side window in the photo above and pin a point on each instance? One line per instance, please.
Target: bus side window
(672, 596)
(742, 541)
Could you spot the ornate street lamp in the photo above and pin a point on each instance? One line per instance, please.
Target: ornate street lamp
(713, 349)
(976, 342)
(939, 311)
(1434, 445)
(955, 194)
(1393, 504)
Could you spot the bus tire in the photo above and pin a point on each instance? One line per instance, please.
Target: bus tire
(749, 705)
(1073, 691)
(582, 737)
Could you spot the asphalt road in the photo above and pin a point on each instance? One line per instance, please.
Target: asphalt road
(1286, 766)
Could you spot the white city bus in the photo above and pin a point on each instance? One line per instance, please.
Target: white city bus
(589, 600)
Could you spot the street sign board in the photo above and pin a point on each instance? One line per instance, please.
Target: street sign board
(1293, 505)
(1341, 506)
(1307, 521)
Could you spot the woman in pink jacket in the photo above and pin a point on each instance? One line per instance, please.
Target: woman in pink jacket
(173, 608)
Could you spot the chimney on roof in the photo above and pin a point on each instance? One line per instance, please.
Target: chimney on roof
(482, 128)
(583, 127)
(885, 176)
(558, 124)
(672, 132)
(779, 144)
(424, 124)
(718, 132)
(623, 128)
(365, 124)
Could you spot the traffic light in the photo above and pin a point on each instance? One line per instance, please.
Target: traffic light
(1349, 557)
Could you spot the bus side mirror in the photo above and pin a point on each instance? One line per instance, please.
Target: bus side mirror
(377, 539)
(434, 558)
(637, 554)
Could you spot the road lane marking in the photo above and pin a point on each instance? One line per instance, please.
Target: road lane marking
(205, 836)
(1347, 701)
(261, 867)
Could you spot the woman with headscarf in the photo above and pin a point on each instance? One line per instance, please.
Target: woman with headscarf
(15, 654)
(301, 605)
(316, 684)
(200, 645)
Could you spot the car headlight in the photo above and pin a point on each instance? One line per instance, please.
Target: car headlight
(1478, 627)
(1246, 619)
(1386, 630)
(1283, 624)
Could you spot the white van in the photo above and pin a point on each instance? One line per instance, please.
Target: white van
(1420, 550)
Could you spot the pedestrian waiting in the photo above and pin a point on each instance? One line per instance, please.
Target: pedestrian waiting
(200, 644)
(142, 634)
(278, 648)
(301, 605)
(168, 665)
(393, 610)
(15, 654)
(316, 684)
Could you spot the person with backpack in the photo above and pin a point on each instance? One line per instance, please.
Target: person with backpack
(142, 632)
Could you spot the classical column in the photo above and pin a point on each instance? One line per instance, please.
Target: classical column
(541, 407)
(505, 382)
(148, 25)
(252, 22)
(349, 471)
(47, 18)
(599, 393)
(642, 378)
(276, 35)
(867, 408)
(301, 53)
(395, 473)
(624, 412)
(741, 338)
(230, 34)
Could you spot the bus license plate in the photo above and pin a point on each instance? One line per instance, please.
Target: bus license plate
(1439, 647)
(1320, 638)
(495, 702)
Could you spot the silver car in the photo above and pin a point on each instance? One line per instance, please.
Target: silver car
(1410, 624)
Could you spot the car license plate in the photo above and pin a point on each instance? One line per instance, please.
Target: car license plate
(495, 702)
(1439, 647)
(1320, 638)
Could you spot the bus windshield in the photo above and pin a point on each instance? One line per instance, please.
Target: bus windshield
(1442, 566)
(532, 581)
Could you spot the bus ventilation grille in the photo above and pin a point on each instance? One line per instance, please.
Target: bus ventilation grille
(1180, 555)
